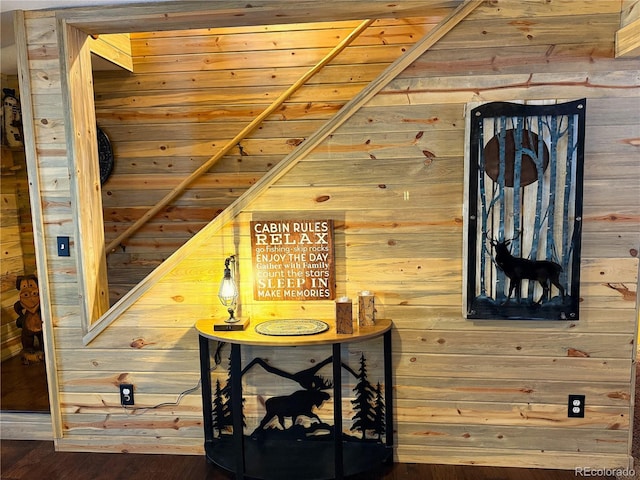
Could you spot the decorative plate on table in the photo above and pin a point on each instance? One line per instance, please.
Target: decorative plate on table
(292, 326)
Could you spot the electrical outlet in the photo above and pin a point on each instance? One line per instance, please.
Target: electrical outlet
(576, 406)
(126, 394)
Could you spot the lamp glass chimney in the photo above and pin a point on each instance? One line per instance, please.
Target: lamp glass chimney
(228, 291)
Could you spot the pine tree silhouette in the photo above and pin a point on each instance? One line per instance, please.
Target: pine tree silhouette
(363, 402)
(218, 410)
(378, 413)
(227, 413)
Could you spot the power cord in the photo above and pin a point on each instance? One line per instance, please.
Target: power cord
(217, 358)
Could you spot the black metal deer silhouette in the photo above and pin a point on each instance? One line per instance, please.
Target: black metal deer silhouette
(545, 272)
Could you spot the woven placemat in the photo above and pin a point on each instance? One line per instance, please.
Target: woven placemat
(292, 326)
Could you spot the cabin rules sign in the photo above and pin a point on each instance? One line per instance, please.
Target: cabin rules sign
(293, 260)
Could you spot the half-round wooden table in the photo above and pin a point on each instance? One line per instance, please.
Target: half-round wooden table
(303, 460)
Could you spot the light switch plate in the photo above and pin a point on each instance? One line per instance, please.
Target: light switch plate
(63, 247)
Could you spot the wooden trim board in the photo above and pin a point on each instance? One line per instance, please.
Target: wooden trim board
(35, 195)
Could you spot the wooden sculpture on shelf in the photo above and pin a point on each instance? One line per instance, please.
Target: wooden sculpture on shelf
(29, 319)
(11, 119)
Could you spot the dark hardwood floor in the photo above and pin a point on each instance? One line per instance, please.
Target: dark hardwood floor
(30, 459)
(23, 387)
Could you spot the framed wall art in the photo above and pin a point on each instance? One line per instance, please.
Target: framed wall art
(523, 210)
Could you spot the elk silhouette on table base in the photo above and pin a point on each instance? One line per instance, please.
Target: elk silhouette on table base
(545, 272)
(298, 404)
(292, 439)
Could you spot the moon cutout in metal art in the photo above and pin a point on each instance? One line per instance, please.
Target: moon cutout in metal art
(529, 167)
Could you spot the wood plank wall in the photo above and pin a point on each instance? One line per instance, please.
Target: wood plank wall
(392, 179)
(479, 382)
(192, 92)
(18, 256)
(12, 259)
(630, 12)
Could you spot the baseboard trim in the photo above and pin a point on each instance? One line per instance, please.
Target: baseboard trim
(25, 426)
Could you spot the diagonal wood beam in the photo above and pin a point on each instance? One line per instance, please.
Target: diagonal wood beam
(255, 123)
(628, 40)
(371, 90)
(285, 165)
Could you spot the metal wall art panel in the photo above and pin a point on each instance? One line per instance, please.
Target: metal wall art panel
(523, 213)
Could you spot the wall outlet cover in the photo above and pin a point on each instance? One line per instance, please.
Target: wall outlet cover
(126, 394)
(576, 406)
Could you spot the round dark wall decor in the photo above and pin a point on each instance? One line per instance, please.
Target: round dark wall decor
(528, 171)
(105, 156)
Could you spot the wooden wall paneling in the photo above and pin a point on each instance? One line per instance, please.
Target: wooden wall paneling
(507, 87)
(447, 366)
(241, 135)
(489, 32)
(135, 444)
(46, 282)
(534, 9)
(508, 438)
(100, 403)
(112, 360)
(279, 37)
(115, 48)
(26, 426)
(489, 392)
(145, 382)
(628, 40)
(232, 95)
(510, 391)
(597, 319)
(500, 457)
(245, 86)
(628, 36)
(77, 88)
(12, 256)
(519, 59)
(525, 415)
(629, 12)
(276, 59)
(442, 30)
(204, 131)
(519, 343)
(181, 15)
(17, 239)
(184, 427)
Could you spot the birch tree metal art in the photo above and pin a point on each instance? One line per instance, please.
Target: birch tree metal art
(523, 212)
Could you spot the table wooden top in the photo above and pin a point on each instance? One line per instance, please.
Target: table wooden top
(249, 336)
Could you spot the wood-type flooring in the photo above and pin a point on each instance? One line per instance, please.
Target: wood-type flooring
(24, 387)
(31, 459)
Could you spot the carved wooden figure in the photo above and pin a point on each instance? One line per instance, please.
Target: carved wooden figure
(29, 319)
